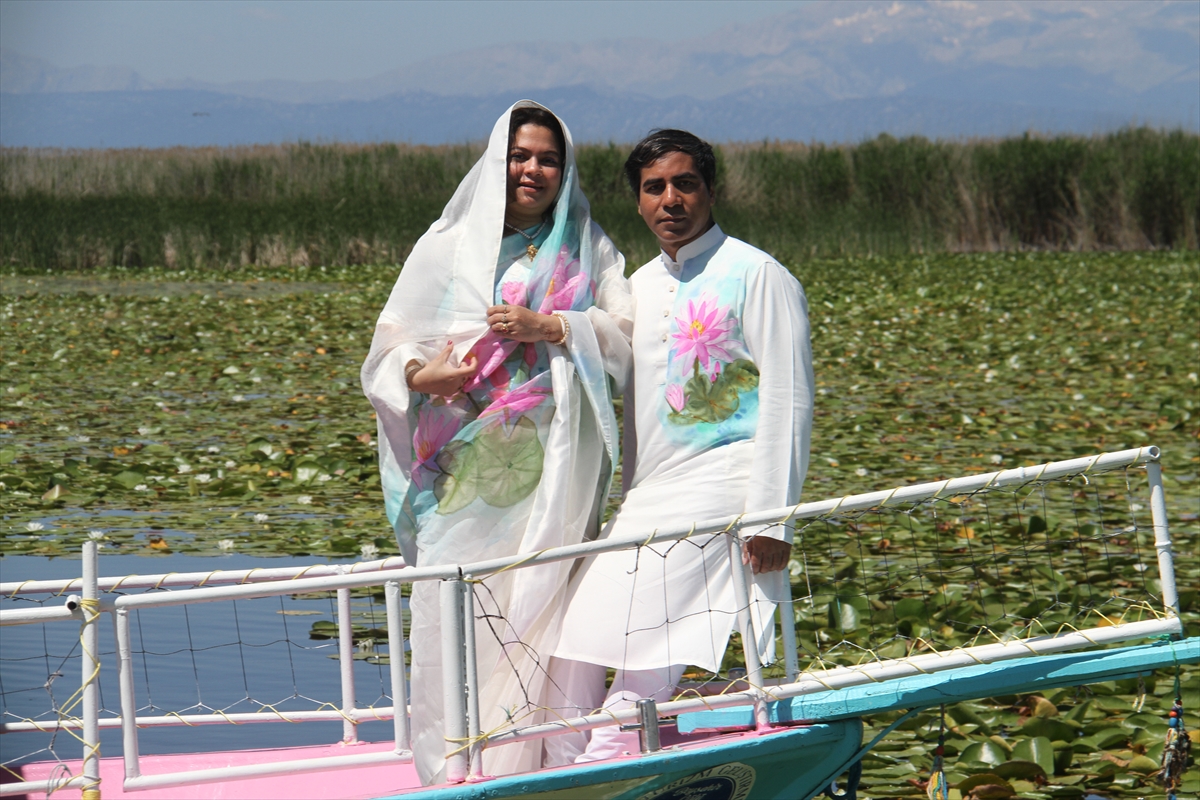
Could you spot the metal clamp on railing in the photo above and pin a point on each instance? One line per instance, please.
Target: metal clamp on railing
(646, 726)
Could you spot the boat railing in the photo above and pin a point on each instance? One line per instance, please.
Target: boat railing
(465, 739)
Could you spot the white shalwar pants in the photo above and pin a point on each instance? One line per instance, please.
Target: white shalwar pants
(574, 693)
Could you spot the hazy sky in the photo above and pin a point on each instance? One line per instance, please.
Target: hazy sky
(240, 40)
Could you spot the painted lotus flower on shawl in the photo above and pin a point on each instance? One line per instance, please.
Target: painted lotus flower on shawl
(704, 333)
(563, 289)
(515, 293)
(435, 427)
(517, 402)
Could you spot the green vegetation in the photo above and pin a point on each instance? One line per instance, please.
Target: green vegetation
(347, 204)
(169, 410)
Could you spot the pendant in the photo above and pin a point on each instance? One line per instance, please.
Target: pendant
(532, 251)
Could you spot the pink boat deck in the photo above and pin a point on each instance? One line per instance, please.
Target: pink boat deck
(358, 782)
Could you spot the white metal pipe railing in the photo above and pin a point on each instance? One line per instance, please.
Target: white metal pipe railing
(859, 502)
(453, 679)
(873, 672)
(211, 578)
(460, 730)
(787, 632)
(129, 735)
(1162, 537)
(46, 787)
(745, 619)
(383, 714)
(346, 664)
(39, 614)
(395, 629)
(471, 662)
(216, 775)
(90, 670)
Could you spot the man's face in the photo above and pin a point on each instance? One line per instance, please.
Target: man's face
(674, 201)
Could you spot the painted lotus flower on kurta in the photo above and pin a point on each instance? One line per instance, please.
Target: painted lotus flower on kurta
(711, 381)
(703, 333)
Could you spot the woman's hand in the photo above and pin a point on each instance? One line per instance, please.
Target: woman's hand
(523, 325)
(439, 377)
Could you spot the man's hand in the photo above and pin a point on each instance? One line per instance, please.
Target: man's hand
(765, 554)
(439, 377)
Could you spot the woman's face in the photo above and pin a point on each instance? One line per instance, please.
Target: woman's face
(534, 175)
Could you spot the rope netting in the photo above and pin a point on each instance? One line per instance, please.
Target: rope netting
(1000, 564)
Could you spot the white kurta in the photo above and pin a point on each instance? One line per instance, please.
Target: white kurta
(717, 423)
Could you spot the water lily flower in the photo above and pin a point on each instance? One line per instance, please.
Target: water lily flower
(184, 469)
(323, 478)
(225, 544)
(304, 499)
(141, 487)
(34, 527)
(237, 398)
(214, 449)
(230, 464)
(997, 459)
(861, 472)
(143, 431)
(203, 477)
(96, 536)
(369, 550)
(703, 333)
(677, 399)
(261, 518)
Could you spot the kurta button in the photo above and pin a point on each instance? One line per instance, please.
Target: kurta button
(664, 337)
(670, 288)
(666, 312)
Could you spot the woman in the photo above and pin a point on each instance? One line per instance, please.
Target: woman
(489, 372)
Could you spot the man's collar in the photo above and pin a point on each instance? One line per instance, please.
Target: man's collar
(702, 244)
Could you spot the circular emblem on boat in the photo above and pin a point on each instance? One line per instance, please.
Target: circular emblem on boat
(726, 782)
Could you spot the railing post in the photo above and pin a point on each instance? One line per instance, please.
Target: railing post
(1162, 537)
(395, 625)
(787, 630)
(129, 734)
(346, 660)
(91, 673)
(741, 594)
(453, 679)
(475, 766)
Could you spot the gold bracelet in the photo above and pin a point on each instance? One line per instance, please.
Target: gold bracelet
(412, 368)
(566, 328)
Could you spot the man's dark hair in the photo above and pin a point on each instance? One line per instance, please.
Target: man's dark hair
(528, 115)
(662, 141)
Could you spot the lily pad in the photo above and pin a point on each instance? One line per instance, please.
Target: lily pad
(1037, 749)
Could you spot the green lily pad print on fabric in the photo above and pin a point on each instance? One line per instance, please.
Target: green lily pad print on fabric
(502, 466)
(509, 464)
(455, 486)
(704, 400)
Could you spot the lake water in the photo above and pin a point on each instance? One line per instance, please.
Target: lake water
(232, 656)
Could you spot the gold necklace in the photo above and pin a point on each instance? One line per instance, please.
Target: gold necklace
(531, 248)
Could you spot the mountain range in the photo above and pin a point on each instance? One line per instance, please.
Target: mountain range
(828, 71)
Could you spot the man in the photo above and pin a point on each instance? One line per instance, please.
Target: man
(717, 422)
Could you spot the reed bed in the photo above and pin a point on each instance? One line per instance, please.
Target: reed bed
(335, 204)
